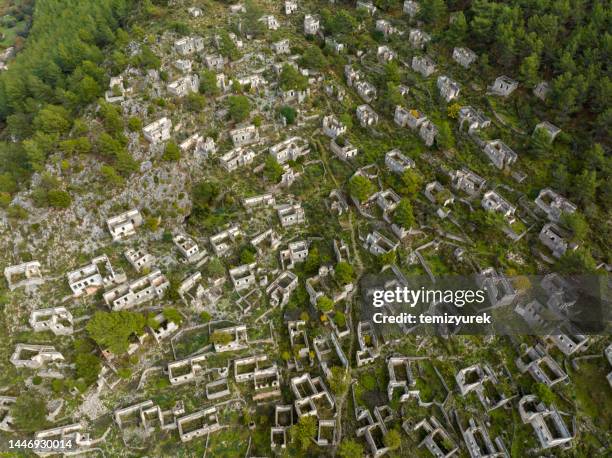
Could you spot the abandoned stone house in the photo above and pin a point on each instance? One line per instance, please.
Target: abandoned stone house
(343, 151)
(291, 214)
(295, 253)
(163, 328)
(557, 240)
(368, 344)
(237, 157)
(158, 131)
(194, 11)
(243, 276)
(184, 85)
(428, 132)
(239, 339)
(311, 25)
(188, 248)
(418, 39)
(378, 244)
(449, 89)
(387, 200)
(351, 75)
(385, 54)
(244, 136)
(423, 65)
(492, 201)
(98, 274)
(467, 181)
(475, 119)
(124, 225)
(503, 86)
(437, 440)
(397, 162)
(279, 290)
(551, 130)
(384, 26)
(291, 7)
(183, 65)
(26, 274)
(189, 45)
(411, 8)
(139, 259)
(289, 150)
(201, 146)
(500, 154)
(116, 91)
(311, 395)
(569, 339)
(332, 127)
(144, 289)
(34, 356)
(281, 47)
(366, 116)
(69, 434)
(222, 242)
(205, 421)
(553, 204)
(366, 5)
(270, 22)
(366, 90)
(479, 443)
(58, 320)
(500, 291)
(547, 422)
(334, 45)
(541, 366)
(464, 56)
(411, 118)
(541, 90)
(214, 62)
(186, 370)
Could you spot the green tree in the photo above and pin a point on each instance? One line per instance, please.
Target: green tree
(445, 138)
(458, 29)
(195, 102)
(432, 11)
(577, 224)
(53, 119)
(529, 70)
(411, 181)
(585, 186)
(87, 367)
(303, 432)
(577, 261)
(313, 260)
(29, 413)
(239, 107)
(208, 83)
(392, 72)
(172, 152)
(403, 215)
(273, 171)
(360, 188)
(110, 176)
(58, 198)
(350, 448)
(339, 380)
(289, 113)
(344, 273)
(392, 439)
(314, 58)
(173, 315)
(214, 268)
(290, 78)
(325, 304)
(221, 338)
(113, 329)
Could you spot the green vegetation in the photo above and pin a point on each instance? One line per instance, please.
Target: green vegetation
(112, 330)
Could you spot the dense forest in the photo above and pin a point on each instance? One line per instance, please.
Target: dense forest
(57, 72)
(73, 46)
